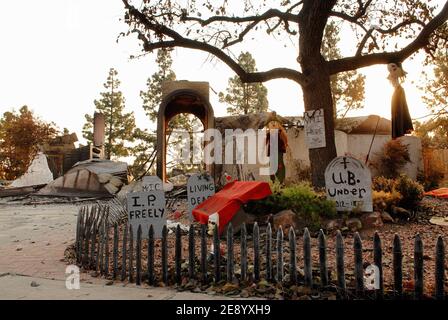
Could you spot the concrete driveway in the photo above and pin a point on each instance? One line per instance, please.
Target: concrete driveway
(32, 244)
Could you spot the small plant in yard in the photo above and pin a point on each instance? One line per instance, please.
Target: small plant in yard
(310, 206)
(393, 157)
(401, 192)
(384, 184)
(411, 191)
(383, 201)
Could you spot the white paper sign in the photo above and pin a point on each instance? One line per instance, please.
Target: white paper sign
(315, 128)
(152, 183)
(199, 188)
(145, 209)
(349, 183)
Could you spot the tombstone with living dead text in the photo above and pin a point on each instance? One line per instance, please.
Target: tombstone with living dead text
(199, 188)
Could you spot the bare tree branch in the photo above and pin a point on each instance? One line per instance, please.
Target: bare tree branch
(362, 9)
(422, 40)
(364, 41)
(254, 20)
(400, 25)
(369, 33)
(179, 41)
(269, 14)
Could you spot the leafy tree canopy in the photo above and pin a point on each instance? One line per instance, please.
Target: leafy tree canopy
(152, 97)
(120, 125)
(436, 85)
(21, 133)
(245, 98)
(434, 132)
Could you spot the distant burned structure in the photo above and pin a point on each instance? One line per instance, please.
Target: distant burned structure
(59, 153)
(62, 153)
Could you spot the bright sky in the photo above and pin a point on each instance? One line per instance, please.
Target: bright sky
(55, 56)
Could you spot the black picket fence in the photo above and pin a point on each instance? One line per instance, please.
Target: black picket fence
(94, 233)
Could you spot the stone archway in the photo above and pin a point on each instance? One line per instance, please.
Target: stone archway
(181, 101)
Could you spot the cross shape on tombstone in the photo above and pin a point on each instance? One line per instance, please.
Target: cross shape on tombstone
(345, 162)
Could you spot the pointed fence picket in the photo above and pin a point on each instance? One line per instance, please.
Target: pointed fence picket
(92, 252)
(150, 265)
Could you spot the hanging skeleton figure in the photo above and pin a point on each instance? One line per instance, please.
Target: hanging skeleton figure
(401, 119)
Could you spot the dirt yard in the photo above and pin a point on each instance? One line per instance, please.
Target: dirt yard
(405, 229)
(33, 241)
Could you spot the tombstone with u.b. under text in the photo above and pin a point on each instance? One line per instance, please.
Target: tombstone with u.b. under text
(349, 183)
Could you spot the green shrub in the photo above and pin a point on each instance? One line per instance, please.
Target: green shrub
(383, 201)
(402, 192)
(383, 184)
(301, 198)
(392, 158)
(410, 190)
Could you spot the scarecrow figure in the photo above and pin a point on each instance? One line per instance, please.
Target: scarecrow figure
(401, 119)
(282, 148)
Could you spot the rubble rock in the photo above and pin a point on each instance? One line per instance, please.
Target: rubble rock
(179, 180)
(250, 219)
(354, 224)
(386, 217)
(237, 221)
(372, 220)
(111, 188)
(286, 219)
(104, 177)
(400, 212)
(334, 224)
(168, 186)
(244, 294)
(230, 288)
(115, 181)
(440, 221)
(134, 186)
(172, 226)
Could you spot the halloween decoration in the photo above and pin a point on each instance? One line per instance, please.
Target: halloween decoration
(282, 146)
(401, 119)
(221, 208)
(213, 220)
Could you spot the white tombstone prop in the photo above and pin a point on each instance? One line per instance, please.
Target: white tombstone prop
(314, 124)
(145, 209)
(152, 183)
(199, 188)
(349, 182)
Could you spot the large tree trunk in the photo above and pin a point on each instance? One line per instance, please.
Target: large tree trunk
(318, 95)
(317, 90)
